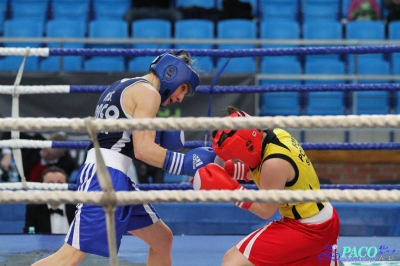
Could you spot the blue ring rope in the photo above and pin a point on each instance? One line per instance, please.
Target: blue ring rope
(306, 146)
(323, 50)
(264, 88)
(188, 186)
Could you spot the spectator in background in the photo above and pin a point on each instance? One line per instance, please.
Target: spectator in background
(236, 9)
(29, 156)
(231, 9)
(393, 8)
(50, 218)
(159, 9)
(59, 157)
(363, 10)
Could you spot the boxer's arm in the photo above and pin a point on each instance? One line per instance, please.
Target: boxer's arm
(173, 140)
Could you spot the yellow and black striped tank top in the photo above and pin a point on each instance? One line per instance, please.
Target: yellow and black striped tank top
(280, 144)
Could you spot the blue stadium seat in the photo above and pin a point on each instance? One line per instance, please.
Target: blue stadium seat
(345, 8)
(71, 9)
(280, 103)
(64, 28)
(154, 28)
(29, 9)
(279, 9)
(237, 29)
(21, 28)
(325, 103)
(396, 66)
(140, 64)
(373, 102)
(196, 29)
(3, 10)
(320, 10)
(151, 28)
(279, 29)
(106, 9)
(237, 65)
(108, 28)
(364, 30)
(322, 30)
(398, 102)
(394, 30)
(198, 3)
(394, 34)
(105, 64)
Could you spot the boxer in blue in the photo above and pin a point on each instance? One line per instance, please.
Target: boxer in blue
(170, 78)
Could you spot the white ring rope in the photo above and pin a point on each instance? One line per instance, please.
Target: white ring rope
(37, 89)
(23, 143)
(140, 197)
(33, 186)
(22, 52)
(199, 123)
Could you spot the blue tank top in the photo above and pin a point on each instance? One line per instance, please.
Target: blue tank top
(109, 107)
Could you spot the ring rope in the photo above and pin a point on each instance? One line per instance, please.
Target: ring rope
(140, 197)
(200, 123)
(47, 89)
(12, 186)
(43, 144)
(232, 52)
(45, 52)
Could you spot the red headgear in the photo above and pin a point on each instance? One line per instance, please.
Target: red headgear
(242, 144)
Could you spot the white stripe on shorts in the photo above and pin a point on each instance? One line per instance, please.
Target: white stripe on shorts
(152, 215)
(84, 187)
(253, 239)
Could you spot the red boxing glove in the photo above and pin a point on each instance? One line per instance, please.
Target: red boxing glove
(237, 171)
(213, 176)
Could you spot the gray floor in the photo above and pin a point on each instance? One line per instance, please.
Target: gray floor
(22, 250)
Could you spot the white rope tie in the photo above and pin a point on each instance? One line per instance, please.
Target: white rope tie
(15, 135)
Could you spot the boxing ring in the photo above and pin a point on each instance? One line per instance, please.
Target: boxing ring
(190, 249)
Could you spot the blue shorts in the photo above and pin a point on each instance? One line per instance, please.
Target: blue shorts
(88, 231)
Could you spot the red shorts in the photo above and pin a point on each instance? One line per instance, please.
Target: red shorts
(291, 242)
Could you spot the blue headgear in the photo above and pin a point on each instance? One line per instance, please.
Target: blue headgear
(173, 72)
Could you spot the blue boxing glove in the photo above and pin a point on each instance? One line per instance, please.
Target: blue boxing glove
(187, 164)
(171, 140)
